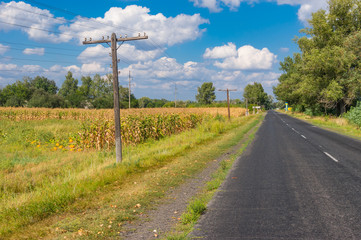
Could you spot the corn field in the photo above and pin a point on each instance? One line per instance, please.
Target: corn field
(96, 127)
(136, 129)
(23, 114)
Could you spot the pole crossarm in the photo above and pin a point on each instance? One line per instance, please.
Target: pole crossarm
(121, 39)
(225, 90)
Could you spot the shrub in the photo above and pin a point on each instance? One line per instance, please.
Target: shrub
(354, 115)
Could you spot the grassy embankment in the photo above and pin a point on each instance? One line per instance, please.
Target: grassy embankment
(337, 124)
(84, 194)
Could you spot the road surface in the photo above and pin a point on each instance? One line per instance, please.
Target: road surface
(295, 181)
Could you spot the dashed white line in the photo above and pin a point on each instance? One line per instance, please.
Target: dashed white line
(330, 156)
(303, 137)
(295, 131)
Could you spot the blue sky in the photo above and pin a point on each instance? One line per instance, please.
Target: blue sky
(229, 42)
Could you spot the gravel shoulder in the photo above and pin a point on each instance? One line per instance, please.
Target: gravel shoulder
(165, 215)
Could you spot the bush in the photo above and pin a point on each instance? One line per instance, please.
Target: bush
(354, 115)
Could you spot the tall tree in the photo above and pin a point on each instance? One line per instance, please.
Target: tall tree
(69, 91)
(255, 94)
(325, 76)
(102, 92)
(206, 93)
(70, 85)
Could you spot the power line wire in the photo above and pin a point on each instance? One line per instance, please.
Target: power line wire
(56, 19)
(40, 29)
(37, 60)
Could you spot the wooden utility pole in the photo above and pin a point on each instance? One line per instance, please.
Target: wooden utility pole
(175, 95)
(228, 90)
(129, 88)
(114, 48)
(247, 111)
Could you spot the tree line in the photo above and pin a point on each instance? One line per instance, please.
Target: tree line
(325, 77)
(97, 92)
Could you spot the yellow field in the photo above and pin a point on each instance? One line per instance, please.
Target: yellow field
(20, 114)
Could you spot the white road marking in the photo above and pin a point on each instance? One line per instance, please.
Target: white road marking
(295, 131)
(330, 156)
(303, 137)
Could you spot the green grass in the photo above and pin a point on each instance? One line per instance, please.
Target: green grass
(46, 185)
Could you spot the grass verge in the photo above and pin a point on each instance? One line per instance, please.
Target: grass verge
(336, 124)
(90, 197)
(199, 204)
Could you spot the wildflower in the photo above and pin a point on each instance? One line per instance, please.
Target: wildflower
(54, 148)
(57, 144)
(60, 147)
(71, 146)
(70, 140)
(33, 142)
(38, 145)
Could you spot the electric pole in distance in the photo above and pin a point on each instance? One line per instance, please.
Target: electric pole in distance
(129, 88)
(228, 90)
(175, 94)
(114, 46)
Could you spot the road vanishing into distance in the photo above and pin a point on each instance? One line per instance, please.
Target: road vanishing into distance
(295, 181)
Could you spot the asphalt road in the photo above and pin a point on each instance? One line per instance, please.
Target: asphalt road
(295, 181)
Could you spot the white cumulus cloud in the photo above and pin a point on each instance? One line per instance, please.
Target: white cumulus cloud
(34, 51)
(307, 7)
(92, 68)
(100, 53)
(221, 52)
(130, 20)
(216, 5)
(8, 66)
(3, 49)
(31, 20)
(161, 30)
(245, 58)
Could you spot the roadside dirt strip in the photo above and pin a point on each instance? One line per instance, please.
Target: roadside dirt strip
(157, 222)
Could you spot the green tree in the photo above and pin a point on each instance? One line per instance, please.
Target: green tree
(16, 94)
(206, 93)
(86, 86)
(124, 98)
(255, 94)
(47, 85)
(101, 91)
(69, 91)
(42, 98)
(144, 101)
(325, 75)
